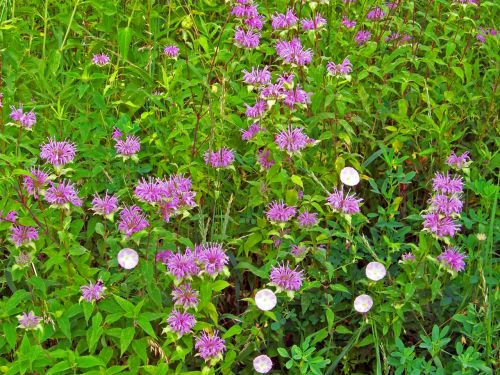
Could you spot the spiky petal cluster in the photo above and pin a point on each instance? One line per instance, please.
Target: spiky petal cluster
(29, 320)
(292, 52)
(264, 160)
(181, 322)
(375, 14)
(440, 225)
(344, 203)
(339, 69)
(106, 205)
(280, 212)
(458, 162)
(210, 346)
(100, 59)
(25, 119)
(93, 292)
(183, 265)
(453, 259)
(178, 196)
(313, 23)
(171, 51)
(132, 220)
(185, 296)
(213, 258)
(246, 39)
(63, 193)
(257, 76)
(221, 158)
(23, 235)
(447, 184)
(257, 110)
(296, 96)
(485, 32)
(251, 132)
(36, 182)
(280, 21)
(11, 216)
(151, 190)
(286, 278)
(58, 153)
(128, 147)
(292, 140)
(349, 24)
(362, 37)
(307, 219)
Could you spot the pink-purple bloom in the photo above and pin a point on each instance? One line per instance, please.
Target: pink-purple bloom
(246, 39)
(132, 220)
(344, 203)
(375, 14)
(106, 205)
(63, 193)
(457, 161)
(221, 158)
(117, 134)
(408, 257)
(100, 59)
(257, 110)
(58, 153)
(264, 160)
(440, 225)
(128, 147)
(348, 23)
(23, 235)
(29, 320)
(343, 68)
(36, 182)
(297, 250)
(280, 211)
(362, 37)
(296, 96)
(485, 32)
(245, 11)
(210, 346)
(10, 217)
(292, 140)
(93, 292)
(313, 23)
(171, 51)
(151, 190)
(447, 205)
(307, 219)
(285, 20)
(453, 259)
(25, 119)
(181, 322)
(286, 278)
(163, 256)
(257, 76)
(185, 296)
(213, 258)
(292, 52)
(183, 265)
(251, 132)
(447, 184)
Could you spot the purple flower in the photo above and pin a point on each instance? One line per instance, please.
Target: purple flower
(392, 5)
(297, 250)
(129, 147)
(257, 110)
(292, 52)
(458, 162)
(27, 120)
(183, 265)
(345, 203)
(280, 212)
(285, 278)
(442, 203)
(29, 320)
(251, 132)
(348, 23)
(453, 259)
(297, 96)
(36, 182)
(62, 194)
(213, 258)
(16, 113)
(10, 217)
(150, 191)
(256, 22)
(132, 220)
(362, 37)
(257, 76)
(447, 184)
(284, 20)
(307, 219)
(314, 23)
(185, 296)
(105, 205)
(485, 32)
(263, 159)
(181, 322)
(221, 158)
(440, 226)
(291, 140)
(210, 346)
(339, 69)
(23, 235)
(117, 134)
(93, 292)
(245, 11)
(272, 91)
(246, 39)
(58, 153)
(171, 51)
(375, 14)
(409, 257)
(285, 78)
(100, 59)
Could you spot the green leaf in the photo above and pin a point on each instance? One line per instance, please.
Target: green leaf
(297, 180)
(219, 285)
(126, 337)
(234, 330)
(282, 352)
(146, 326)
(89, 361)
(124, 38)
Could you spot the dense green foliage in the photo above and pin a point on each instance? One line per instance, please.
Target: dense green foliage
(396, 118)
